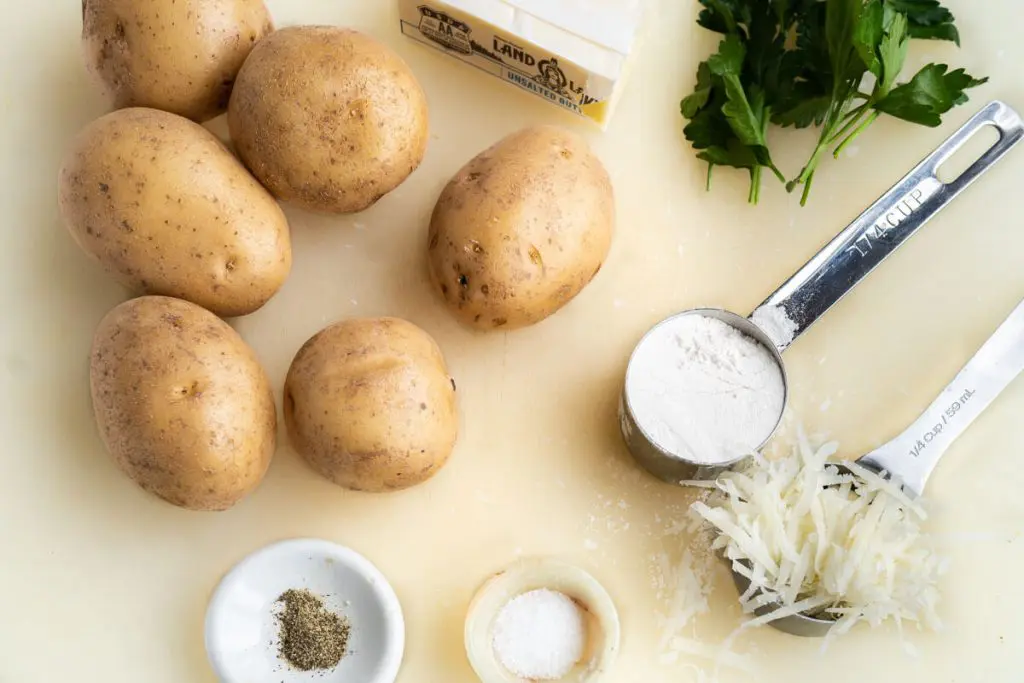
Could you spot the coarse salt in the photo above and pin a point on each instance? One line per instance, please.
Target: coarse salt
(540, 635)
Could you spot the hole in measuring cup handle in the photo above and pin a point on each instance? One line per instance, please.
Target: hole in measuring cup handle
(973, 148)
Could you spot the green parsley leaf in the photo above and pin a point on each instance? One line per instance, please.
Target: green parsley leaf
(736, 155)
(719, 15)
(728, 61)
(697, 100)
(939, 32)
(708, 127)
(801, 63)
(841, 17)
(925, 12)
(744, 118)
(929, 94)
(745, 115)
(868, 35)
(927, 19)
(893, 52)
(804, 112)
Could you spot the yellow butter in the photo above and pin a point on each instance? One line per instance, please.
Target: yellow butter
(571, 53)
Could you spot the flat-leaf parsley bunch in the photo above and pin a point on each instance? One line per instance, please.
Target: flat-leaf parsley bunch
(832, 64)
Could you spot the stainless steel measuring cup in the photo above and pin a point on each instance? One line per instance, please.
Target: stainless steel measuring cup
(912, 456)
(827, 277)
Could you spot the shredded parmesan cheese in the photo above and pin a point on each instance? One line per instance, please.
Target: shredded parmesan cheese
(683, 587)
(816, 539)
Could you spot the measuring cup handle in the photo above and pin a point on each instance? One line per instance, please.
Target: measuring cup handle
(913, 455)
(887, 223)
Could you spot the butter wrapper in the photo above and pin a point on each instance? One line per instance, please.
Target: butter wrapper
(571, 53)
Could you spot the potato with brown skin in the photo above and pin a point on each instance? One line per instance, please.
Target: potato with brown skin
(521, 229)
(328, 118)
(182, 403)
(370, 405)
(166, 209)
(180, 56)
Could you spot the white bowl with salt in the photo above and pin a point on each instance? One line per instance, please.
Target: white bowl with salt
(541, 620)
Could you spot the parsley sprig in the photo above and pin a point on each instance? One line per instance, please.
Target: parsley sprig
(831, 64)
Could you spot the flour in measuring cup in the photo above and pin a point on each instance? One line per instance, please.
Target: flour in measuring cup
(704, 391)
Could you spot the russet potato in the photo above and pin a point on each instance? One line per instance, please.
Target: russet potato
(327, 118)
(370, 405)
(166, 209)
(182, 403)
(180, 56)
(521, 229)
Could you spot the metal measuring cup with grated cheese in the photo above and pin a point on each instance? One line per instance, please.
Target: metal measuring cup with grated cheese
(846, 550)
(690, 414)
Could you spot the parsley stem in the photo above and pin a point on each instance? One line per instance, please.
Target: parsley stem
(853, 113)
(860, 129)
(808, 171)
(823, 142)
(807, 189)
(854, 118)
(755, 185)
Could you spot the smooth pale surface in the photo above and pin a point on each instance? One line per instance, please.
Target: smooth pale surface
(242, 626)
(108, 584)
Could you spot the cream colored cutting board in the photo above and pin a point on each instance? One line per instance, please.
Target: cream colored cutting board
(102, 583)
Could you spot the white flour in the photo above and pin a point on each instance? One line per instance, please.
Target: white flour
(776, 324)
(704, 391)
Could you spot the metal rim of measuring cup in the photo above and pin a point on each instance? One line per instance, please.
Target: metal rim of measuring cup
(662, 463)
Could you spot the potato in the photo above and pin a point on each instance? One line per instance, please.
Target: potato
(521, 229)
(182, 403)
(166, 209)
(370, 405)
(328, 118)
(180, 56)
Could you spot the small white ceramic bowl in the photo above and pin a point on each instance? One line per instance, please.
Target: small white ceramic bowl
(242, 629)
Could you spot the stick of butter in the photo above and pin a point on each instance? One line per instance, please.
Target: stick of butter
(572, 53)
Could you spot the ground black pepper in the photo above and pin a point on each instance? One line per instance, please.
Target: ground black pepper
(311, 637)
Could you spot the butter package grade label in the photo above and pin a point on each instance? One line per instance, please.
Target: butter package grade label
(571, 53)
